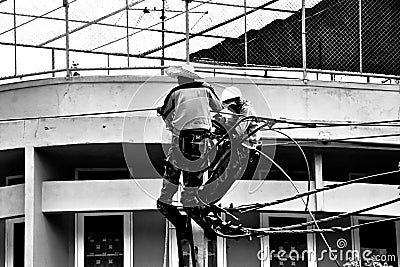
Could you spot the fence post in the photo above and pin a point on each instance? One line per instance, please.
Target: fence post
(162, 36)
(53, 62)
(127, 30)
(187, 29)
(245, 33)
(15, 39)
(360, 33)
(303, 39)
(65, 4)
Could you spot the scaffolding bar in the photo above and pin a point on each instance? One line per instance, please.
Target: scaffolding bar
(15, 39)
(303, 39)
(360, 32)
(187, 30)
(67, 38)
(127, 30)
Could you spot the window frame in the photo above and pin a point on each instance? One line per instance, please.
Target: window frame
(356, 233)
(9, 249)
(173, 247)
(265, 245)
(80, 233)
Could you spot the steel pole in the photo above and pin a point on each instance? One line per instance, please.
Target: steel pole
(303, 39)
(245, 33)
(15, 39)
(162, 36)
(53, 62)
(360, 33)
(65, 3)
(187, 30)
(127, 31)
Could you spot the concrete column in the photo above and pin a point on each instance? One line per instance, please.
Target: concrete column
(2, 242)
(319, 197)
(30, 196)
(46, 237)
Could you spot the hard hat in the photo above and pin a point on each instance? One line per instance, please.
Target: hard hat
(185, 70)
(230, 92)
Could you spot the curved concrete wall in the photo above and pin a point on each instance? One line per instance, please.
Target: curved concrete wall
(292, 99)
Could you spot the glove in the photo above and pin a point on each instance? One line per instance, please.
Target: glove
(160, 111)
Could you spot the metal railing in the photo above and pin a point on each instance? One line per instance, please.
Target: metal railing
(352, 38)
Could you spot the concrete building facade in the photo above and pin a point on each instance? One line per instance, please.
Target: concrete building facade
(80, 190)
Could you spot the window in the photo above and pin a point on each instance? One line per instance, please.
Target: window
(206, 250)
(15, 242)
(104, 240)
(377, 243)
(286, 250)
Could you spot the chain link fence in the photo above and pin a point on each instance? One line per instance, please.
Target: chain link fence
(340, 35)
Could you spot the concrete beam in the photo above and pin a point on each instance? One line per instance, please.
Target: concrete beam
(12, 201)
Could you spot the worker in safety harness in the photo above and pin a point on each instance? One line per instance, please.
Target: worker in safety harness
(240, 163)
(186, 112)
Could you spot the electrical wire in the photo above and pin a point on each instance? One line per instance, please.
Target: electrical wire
(335, 139)
(77, 115)
(335, 217)
(305, 159)
(298, 191)
(335, 229)
(122, 38)
(26, 22)
(315, 123)
(250, 207)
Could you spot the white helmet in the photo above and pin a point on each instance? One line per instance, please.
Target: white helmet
(230, 92)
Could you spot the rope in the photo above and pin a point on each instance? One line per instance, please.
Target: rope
(247, 208)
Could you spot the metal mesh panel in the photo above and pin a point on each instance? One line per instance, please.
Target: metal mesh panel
(381, 36)
(218, 32)
(333, 36)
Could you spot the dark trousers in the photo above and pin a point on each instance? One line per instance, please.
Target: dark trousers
(187, 156)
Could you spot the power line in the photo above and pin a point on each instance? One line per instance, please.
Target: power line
(250, 207)
(207, 30)
(336, 217)
(122, 38)
(92, 22)
(298, 191)
(78, 115)
(51, 11)
(336, 229)
(109, 25)
(335, 139)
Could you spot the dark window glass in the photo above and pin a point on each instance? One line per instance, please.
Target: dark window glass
(19, 244)
(287, 250)
(104, 241)
(378, 244)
